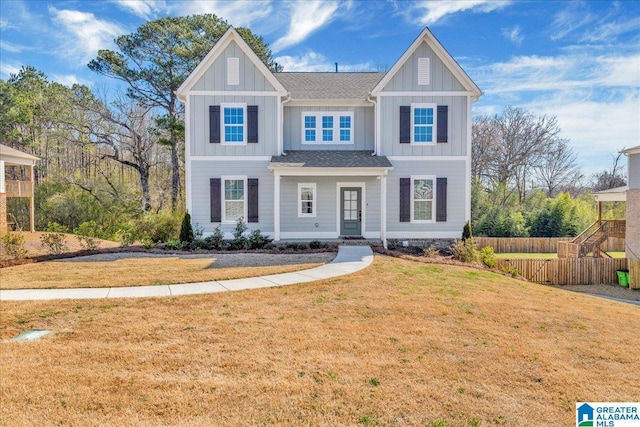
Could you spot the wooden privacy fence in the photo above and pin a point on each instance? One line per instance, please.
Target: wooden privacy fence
(634, 273)
(568, 271)
(538, 244)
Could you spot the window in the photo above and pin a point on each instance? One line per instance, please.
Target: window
(233, 123)
(307, 200)
(422, 202)
(233, 197)
(423, 123)
(327, 127)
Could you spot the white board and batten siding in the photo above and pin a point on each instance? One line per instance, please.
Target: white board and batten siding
(201, 173)
(634, 171)
(250, 77)
(363, 129)
(440, 77)
(267, 126)
(454, 171)
(457, 131)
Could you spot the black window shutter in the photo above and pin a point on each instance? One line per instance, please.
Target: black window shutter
(405, 199)
(252, 124)
(443, 123)
(441, 199)
(214, 124)
(216, 199)
(405, 124)
(252, 200)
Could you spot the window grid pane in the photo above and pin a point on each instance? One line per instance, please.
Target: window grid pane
(327, 135)
(423, 199)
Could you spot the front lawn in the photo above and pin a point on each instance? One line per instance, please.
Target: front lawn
(400, 343)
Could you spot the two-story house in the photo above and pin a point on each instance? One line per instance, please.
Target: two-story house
(328, 155)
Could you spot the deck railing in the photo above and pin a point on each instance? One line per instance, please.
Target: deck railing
(18, 188)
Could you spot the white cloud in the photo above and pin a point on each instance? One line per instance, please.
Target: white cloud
(83, 34)
(4, 24)
(513, 34)
(240, 13)
(8, 68)
(145, 9)
(313, 61)
(70, 80)
(10, 47)
(429, 12)
(306, 17)
(594, 97)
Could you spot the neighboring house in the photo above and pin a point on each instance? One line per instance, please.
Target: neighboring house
(10, 157)
(329, 155)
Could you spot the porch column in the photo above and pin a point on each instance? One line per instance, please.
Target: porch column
(276, 205)
(383, 209)
(32, 209)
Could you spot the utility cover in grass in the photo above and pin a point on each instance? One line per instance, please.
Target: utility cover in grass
(33, 334)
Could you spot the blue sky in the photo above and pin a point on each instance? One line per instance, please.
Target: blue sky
(576, 60)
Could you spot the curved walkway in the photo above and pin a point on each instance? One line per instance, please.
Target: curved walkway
(349, 260)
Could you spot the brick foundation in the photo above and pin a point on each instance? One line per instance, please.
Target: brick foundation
(3, 213)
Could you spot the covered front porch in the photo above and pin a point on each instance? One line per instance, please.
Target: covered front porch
(320, 195)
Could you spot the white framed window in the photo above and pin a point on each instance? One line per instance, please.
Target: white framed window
(306, 199)
(326, 127)
(234, 196)
(233, 71)
(424, 74)
(233, 119)
(423, 123)
(423, 197)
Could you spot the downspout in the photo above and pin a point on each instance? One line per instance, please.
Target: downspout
(281, 129)
(375, 127)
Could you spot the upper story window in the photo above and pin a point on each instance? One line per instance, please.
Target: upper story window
(234, 123)
(327, 127)
(423, 123)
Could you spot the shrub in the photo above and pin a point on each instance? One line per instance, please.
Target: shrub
(174, 244)
(488, 257)
(466, 231)
(158, 227)
(125, 235)
(430, 252)
(186, 230)
(54, 240)
(86, 233)
(148, 243)
(14, 245)
(240, 241)
(465, 251)
(297, 246)
(214, 242)
(257, 240)
(318, 245)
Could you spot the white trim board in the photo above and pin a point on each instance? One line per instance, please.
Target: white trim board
(232, 93)
(230, 158)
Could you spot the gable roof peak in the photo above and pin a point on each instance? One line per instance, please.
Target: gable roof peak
(426, 36)
(231, 35)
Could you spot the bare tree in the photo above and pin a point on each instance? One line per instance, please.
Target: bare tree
(558, 168)
(610, 178)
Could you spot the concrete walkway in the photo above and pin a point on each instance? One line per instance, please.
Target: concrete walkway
(349, 260)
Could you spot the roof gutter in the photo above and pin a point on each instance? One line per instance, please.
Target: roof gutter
(375, 127)
(281, 127)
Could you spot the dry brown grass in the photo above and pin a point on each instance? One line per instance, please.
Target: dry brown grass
(33, 244)
(398, 344)
(134, 271)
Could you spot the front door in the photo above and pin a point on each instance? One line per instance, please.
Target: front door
(351, 211)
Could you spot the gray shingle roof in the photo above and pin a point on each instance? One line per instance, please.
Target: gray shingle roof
(351, 86)
(331, 159)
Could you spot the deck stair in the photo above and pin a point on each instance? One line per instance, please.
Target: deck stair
(591, 240)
